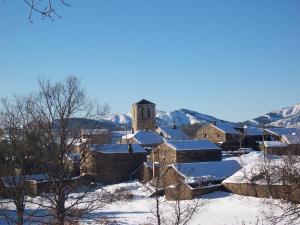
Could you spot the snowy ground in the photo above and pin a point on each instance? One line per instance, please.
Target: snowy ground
(222, 208)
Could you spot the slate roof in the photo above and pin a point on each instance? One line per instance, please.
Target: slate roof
(145, 137)
(207, 171)
(144, 101)
(192, 145)
(227, 128)
(117, 148)
(171, 133)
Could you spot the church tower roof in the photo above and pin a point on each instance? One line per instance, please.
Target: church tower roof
(144, 101)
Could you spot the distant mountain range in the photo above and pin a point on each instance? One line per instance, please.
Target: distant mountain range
(286, 117)
(180, 117)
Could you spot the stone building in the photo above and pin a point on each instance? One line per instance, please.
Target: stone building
(171, 133)
(281, 141)
(186, 181)
(186, 151)
(112, 163)
(143, 116)
(252, 137)
(146, 138)
(223, 134)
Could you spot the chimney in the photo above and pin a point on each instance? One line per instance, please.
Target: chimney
(146, 129)
(130, 150)
(174, 126)
(214, 123)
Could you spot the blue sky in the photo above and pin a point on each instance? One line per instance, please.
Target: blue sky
(231, 59)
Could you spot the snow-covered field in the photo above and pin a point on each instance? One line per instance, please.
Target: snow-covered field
(221, 208)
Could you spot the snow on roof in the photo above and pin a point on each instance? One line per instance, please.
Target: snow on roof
(274, 144)
(145, 137)
(279, 131)
(207, 171)
(254, 172)
(253, 131)
(293, 138)
(117, 148)
(172, 133)
(227, 128)
(183, 145)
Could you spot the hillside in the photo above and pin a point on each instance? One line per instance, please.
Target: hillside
(285, 117)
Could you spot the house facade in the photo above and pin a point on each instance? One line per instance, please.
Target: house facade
(223, 134)
(112, 163)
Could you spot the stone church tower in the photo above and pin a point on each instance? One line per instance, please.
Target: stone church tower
(143, 116)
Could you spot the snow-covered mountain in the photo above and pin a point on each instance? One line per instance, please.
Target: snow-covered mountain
(180, 117)
(286, 117)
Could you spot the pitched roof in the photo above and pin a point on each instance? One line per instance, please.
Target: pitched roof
(192, 145)
(145, 137)
(227, 128)
(172, 133)
(144, 101)
(207, 171)
(279, 131)
(117, 148)
(253, 131)
(274, 144)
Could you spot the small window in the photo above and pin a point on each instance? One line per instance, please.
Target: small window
(143, 113)
(148, 112)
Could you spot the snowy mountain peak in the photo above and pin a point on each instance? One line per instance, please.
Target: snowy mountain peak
(180, 117)
(285, 117)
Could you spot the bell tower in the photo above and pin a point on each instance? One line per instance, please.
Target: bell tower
(143, 115)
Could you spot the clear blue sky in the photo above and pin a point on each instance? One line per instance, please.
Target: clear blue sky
(231, 59)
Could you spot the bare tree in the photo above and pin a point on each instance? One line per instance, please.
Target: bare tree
(178, 211)
(45, 8)
(183, 211)
(19, 146)
(55, 106)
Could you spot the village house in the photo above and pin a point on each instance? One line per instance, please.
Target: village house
(112, 163)
(252, 137)
(186, 181)
(186, 151)
(146, 138)
(171, 133)
(281, 141)
(223, 134)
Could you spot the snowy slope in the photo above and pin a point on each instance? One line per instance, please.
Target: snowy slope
(179, 117)
(286, 117)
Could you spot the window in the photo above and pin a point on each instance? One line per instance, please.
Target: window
(143, 113)
(148, 112)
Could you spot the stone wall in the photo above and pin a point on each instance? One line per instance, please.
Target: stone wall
(112, 168)
(211, 133)
(264, 191)
(143, 117)
(290, 149)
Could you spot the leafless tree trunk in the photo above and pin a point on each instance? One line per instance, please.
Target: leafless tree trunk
(56, 105)
(18, 147)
